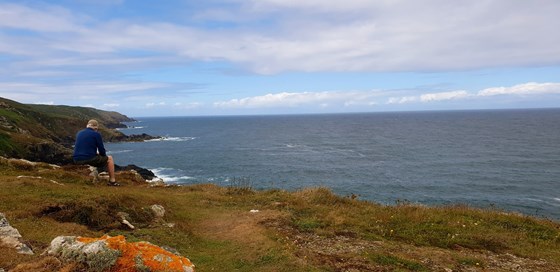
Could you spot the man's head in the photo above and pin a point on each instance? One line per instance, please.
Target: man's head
(93, 124)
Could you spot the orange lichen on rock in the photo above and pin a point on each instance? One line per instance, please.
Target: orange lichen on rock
(142, 256)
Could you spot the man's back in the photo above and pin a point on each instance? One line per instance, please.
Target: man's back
(88, 143)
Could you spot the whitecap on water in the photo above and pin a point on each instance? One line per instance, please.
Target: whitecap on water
(119, 151)
(172, 139)
(170, 175)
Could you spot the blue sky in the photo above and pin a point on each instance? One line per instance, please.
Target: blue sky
(227, 57)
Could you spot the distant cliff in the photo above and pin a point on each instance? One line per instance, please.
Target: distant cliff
(47, 133)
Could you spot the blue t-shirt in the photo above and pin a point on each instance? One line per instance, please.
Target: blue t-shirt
(88, 143)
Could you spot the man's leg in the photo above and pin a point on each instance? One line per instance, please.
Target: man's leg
(111, 168)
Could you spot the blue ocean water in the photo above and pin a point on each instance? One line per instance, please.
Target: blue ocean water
(508, 159)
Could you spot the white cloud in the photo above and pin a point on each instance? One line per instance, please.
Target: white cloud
(355, 35)
(371, 98)
(154, 104)
(45, 103)
(45, 19)
(402, 100)
(529, 88)
(84, 87)
(525, 89)
(287, 99)
(188, 106)
(110, 105)
(443, 96)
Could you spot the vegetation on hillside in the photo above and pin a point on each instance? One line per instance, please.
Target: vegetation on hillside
(46, 133)
(240, 229)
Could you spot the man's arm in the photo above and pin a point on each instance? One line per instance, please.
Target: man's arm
(100, 147)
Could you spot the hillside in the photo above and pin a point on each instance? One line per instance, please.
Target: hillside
(46, 133)
(236, 228)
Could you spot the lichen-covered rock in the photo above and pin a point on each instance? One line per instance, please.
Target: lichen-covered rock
(115, 254)
(10, 237)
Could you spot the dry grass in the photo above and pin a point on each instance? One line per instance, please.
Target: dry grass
(307, 230)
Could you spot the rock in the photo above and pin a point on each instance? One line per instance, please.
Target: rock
(96, 254)
(21, 164)
(10, 237)
(158, 210)
(49, 152)
(157, 182)
(24, 164)
(124, 220)
(115, 254)
(145, 173)
(132, 138)
(37, 177)
(94, 174)
(130, 176)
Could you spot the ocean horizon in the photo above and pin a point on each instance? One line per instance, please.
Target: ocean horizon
(503, 159)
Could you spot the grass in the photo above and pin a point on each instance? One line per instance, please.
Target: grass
(393, 261)
(307, 230)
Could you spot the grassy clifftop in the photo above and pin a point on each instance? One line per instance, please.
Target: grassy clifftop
(45, 133)
(240, 229)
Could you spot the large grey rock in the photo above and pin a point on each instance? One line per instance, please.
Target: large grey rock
(10, 237)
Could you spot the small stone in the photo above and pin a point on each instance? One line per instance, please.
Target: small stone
(158, 210)
(126, 223)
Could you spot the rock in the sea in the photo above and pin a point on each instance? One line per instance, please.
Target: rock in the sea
(10, 237)
(145, 173)
(115, 254)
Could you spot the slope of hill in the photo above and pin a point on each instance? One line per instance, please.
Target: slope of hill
(237, 228)
(46, 133)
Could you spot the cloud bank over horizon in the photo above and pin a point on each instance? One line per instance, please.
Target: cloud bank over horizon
(223, 56)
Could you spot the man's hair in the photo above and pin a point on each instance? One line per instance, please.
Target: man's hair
(92, 124)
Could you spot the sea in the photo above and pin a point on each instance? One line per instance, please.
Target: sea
(500, 159)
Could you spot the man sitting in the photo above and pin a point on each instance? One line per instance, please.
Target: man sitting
(89, 150)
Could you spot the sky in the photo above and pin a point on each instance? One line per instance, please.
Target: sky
(245, 57)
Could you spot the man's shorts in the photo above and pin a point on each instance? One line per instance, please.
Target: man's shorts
(97, 161)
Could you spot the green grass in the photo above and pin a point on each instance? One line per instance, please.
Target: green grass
(390, 260)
